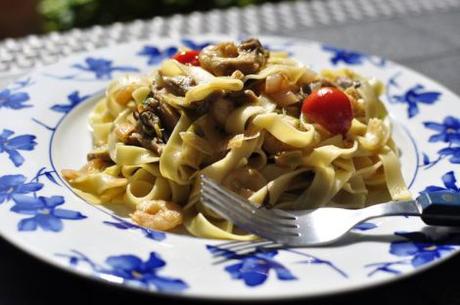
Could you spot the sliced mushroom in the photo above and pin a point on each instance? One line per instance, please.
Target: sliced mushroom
(272, 145)
(168, 117)
(150, 123)
(225, 58)
(290, 159)
(100, 153)
(345, 82)
(178, 85)
(157, 119)
(293, 110)
(243, 97)
(220, 110)
(153, 144)
(318, 84)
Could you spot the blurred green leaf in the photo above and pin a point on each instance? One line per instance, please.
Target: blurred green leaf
(67, 14)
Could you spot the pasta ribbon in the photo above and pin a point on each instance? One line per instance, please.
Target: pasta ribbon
(235, 114)
(283, 131)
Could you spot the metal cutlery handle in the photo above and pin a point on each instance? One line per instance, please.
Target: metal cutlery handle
(440, 208)
(392, 208)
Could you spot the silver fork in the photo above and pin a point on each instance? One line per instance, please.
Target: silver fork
(323, 225)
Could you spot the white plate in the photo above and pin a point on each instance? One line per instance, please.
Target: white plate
(44, 129)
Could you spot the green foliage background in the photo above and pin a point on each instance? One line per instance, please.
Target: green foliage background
(67, 14)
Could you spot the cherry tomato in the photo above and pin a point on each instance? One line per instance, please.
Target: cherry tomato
(188, 57)
(330, 108)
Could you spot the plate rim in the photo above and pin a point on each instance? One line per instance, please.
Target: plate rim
(196, 296)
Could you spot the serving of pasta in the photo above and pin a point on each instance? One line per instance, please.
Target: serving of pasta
(257, 121)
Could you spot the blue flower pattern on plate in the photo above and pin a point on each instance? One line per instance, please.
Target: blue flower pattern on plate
(12, 145)
(417, 95)
(253, 268)
(449, 181)
(419, 247)
(13, 98)
(413, 96)
(133, 270)
(74, 99)
(9, 99)
(44, 211)
(155, 55)
(195, 45)
(446, 132)
(15, 185)
(351, 57)
(416, 250)
(125, 225)
(46, 173)
(102, 68)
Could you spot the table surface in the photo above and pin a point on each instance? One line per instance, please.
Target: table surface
(424, 37)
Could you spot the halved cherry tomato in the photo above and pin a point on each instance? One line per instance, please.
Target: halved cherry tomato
(188, 57)
(330, 108)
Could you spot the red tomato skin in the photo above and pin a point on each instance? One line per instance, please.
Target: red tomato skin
(188, 57)
(330, 108)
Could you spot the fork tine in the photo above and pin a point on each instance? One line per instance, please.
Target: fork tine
(231, 243)
(237, 207)
(207, 182)
(250, 247)
(246, 224)
(229, 214)
(272, 218)
(237, 215)
(282, 213)
(242, 219)
(252, 214)
(238, 247)
(245, 215)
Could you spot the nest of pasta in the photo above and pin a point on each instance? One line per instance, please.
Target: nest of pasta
(235, 112)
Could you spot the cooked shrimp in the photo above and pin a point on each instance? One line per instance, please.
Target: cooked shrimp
(158, 215)
(93, 166)
(70, 174)
(123, 131)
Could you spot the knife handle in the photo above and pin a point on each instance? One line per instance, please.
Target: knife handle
(440, 208)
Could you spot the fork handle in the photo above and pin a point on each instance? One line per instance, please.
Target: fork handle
(440, 208)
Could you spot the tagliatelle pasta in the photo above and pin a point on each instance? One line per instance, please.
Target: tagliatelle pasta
(250, 119)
